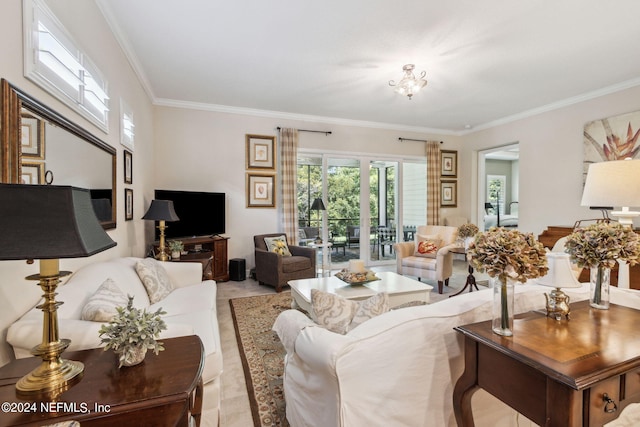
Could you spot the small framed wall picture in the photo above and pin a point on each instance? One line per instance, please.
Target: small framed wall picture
(449, 163)
(260, 191)
(128, 204)
(32, 137)
(449, 194)
(32, 172)
(261, 152)
(128, 167)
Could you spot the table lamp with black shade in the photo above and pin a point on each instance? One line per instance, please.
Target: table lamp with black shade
(48, 223)
(161, 211)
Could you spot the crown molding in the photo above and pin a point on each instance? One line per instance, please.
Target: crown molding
(293, 116)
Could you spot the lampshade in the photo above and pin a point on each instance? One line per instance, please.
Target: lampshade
(49, 222)
(488, 205)
(614, 183)
(560, 274)
(409, 84)
(318, 205)
(161, 210)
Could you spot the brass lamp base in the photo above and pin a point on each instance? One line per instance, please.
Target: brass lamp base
(51, 377)
(162, 252)
(557, 304)
(54, 375)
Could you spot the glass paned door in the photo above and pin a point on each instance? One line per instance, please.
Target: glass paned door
(383, 210)
(343, 210)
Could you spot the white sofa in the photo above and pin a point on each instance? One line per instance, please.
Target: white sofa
(399, 368)
(190, 307)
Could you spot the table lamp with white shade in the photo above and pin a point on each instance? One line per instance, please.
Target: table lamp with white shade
(615, 183)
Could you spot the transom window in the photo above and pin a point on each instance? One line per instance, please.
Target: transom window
(54, 62)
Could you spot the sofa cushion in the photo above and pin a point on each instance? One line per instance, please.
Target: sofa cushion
(427, 246)
(295, 263)
(278, 245)
(154, 278)
(341, 315)
(84, 282)
(101, 306)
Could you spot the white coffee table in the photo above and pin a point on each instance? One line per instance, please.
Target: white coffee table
(400, 289)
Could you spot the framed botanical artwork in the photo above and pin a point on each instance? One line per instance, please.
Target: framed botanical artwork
(128, 167)
(128, 204)
(449, 194)
(611, 138)
(449, 163)
(261, 191)
(32, 172)
(261, 152)
(32, 137)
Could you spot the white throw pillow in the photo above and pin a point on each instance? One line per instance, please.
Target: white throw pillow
(341, 315)
(278, 245)
(427, 245)
(154, 278)
(101, 306)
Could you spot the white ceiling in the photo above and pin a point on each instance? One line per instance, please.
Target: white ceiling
(487, 62)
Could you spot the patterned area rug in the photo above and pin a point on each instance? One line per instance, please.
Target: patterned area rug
(262, 354)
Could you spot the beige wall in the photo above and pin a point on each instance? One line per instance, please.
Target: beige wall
(205, 151)
(551, 155)
(83, 19)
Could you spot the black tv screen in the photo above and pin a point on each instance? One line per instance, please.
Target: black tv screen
(200, 213)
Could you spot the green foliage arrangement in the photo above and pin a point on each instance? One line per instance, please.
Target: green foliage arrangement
(132, 329)
(602, 244)
(508, 253)
(175, 245)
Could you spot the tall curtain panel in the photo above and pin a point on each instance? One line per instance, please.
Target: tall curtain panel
(289, 154)
(433, 182)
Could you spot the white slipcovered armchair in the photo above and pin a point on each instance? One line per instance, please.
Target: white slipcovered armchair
(439, 268)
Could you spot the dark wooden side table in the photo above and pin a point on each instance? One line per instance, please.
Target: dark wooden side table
(471, 280)
(164, 390)
(580, 372)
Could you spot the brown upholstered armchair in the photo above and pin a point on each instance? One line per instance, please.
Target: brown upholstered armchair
(276, 270)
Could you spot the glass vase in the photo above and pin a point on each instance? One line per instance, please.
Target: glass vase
(503, 303)
(599, 294)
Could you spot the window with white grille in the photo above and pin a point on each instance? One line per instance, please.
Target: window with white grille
(54, 61)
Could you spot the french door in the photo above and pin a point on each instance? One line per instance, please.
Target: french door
(364, 203)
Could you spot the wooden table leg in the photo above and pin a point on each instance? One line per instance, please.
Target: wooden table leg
(466, 385)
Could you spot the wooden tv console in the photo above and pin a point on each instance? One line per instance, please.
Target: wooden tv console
(210, 251)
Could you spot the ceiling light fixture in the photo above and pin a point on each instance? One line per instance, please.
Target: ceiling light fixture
(409, 85)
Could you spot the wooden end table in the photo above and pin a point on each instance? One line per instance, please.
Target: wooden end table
(164, 390)
(569, 373)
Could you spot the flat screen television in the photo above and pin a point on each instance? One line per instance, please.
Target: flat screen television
(200, 213)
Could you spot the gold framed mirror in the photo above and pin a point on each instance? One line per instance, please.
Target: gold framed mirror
(39, 146)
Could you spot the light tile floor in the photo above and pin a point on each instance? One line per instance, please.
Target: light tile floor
(235, 410)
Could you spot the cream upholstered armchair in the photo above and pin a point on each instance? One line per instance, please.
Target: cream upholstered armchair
(439, 265)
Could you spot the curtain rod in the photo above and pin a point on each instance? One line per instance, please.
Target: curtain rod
(326, 132)
(417, 140)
